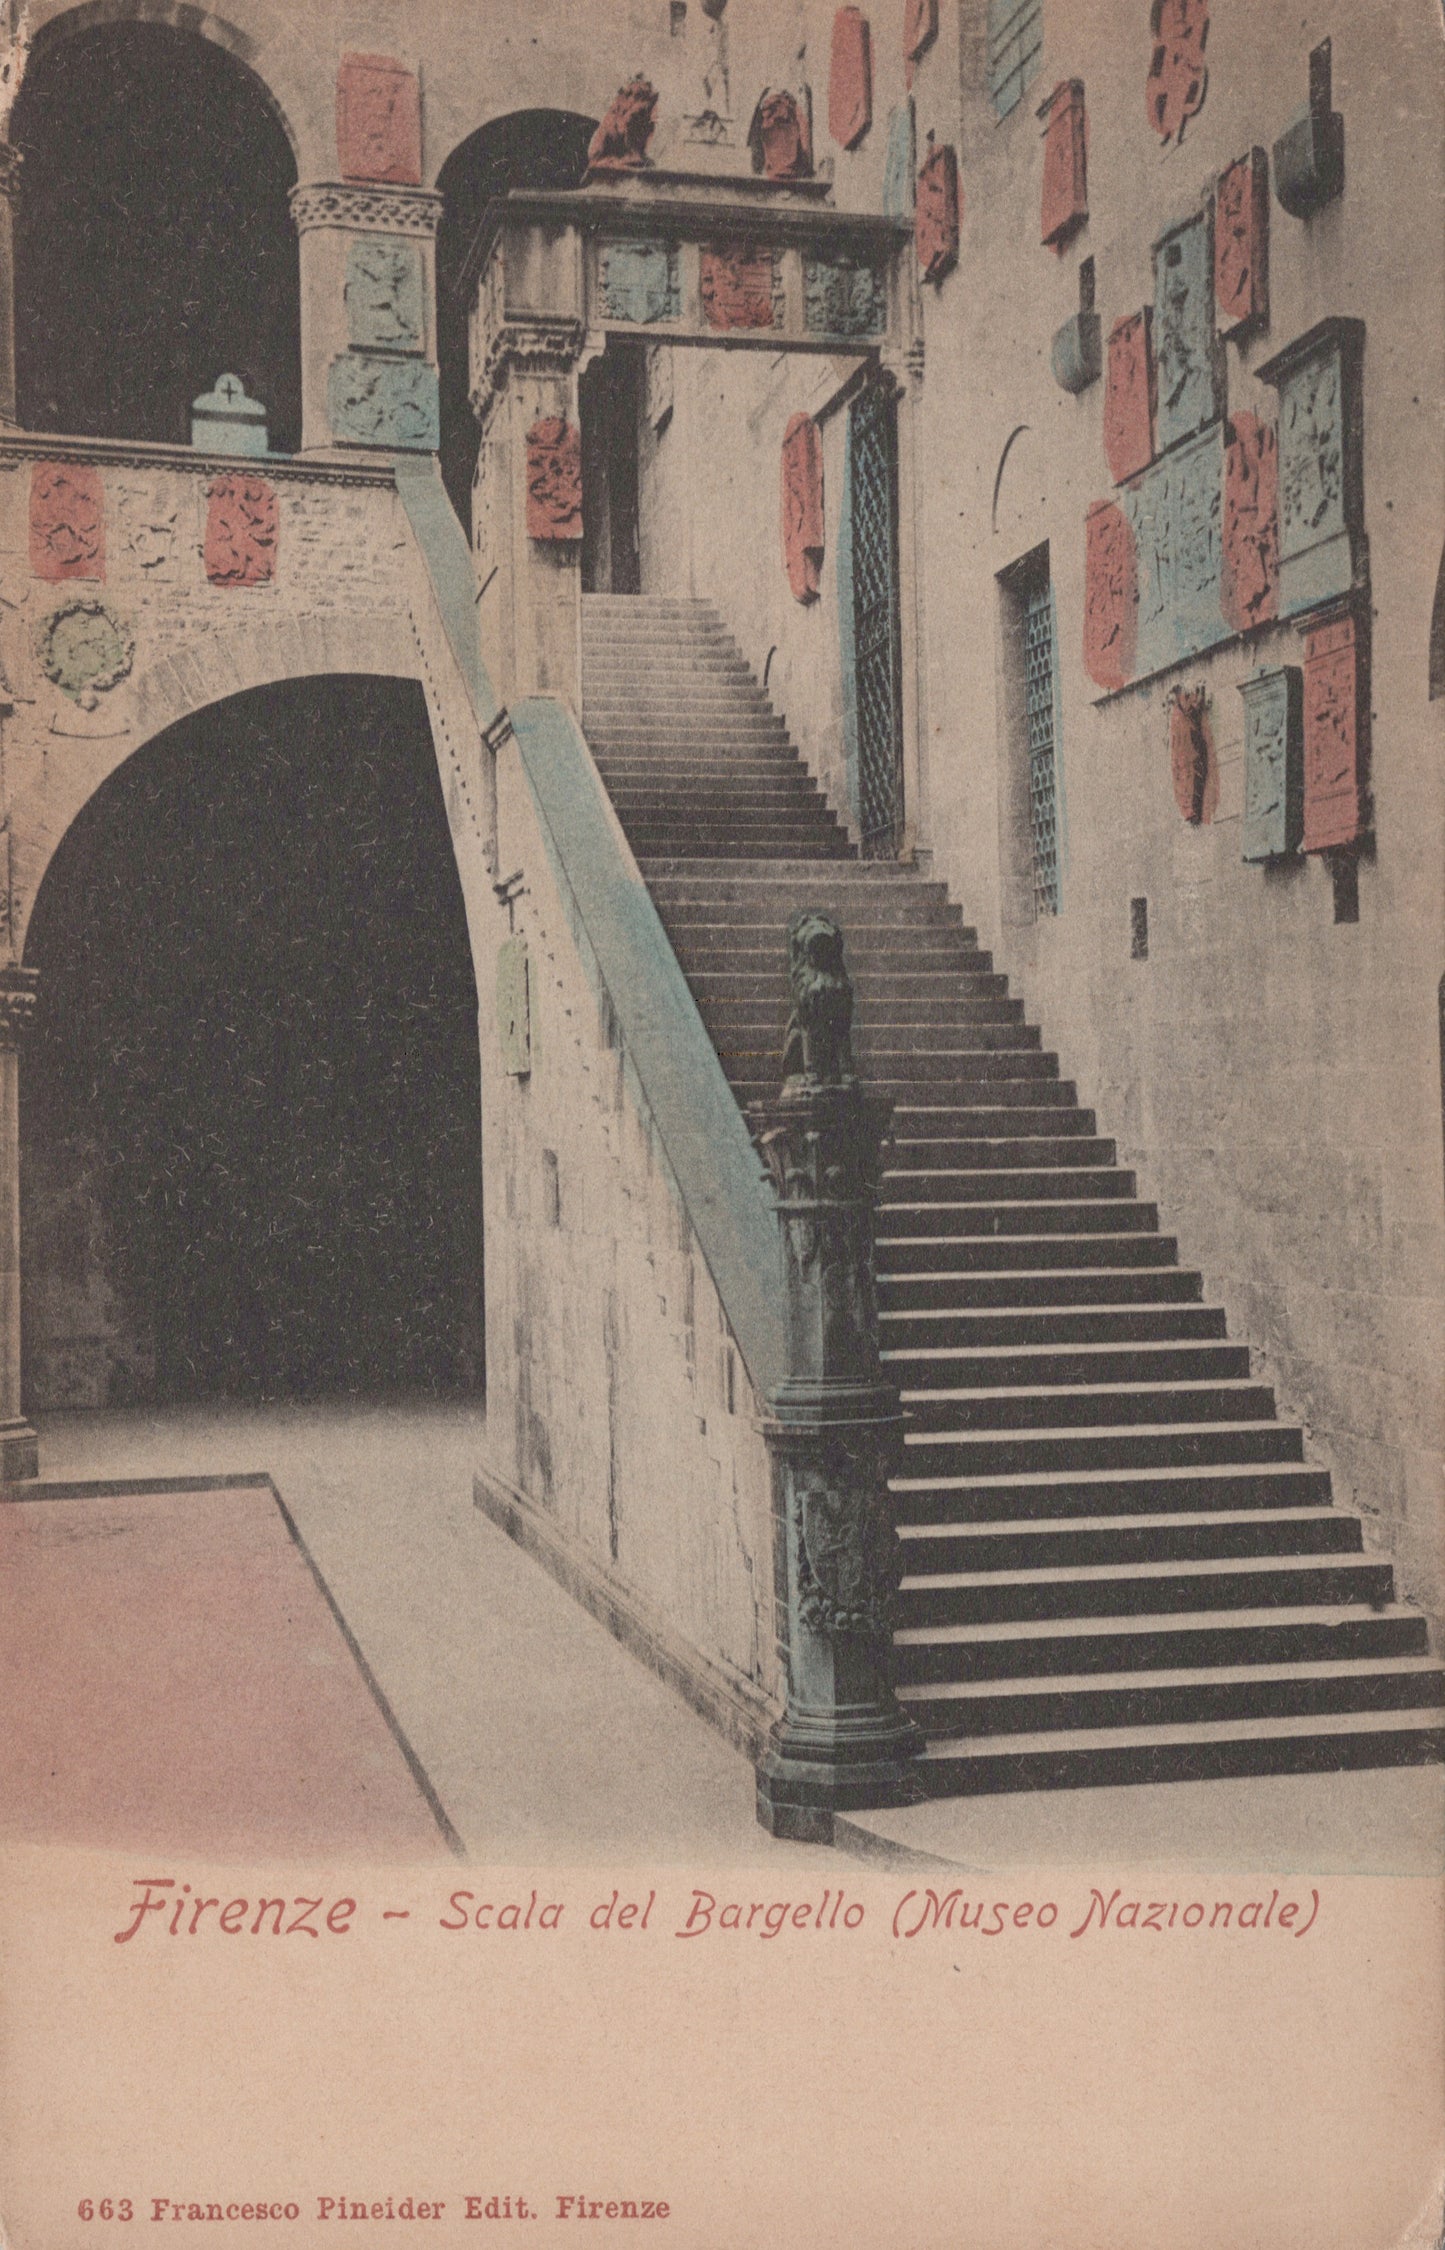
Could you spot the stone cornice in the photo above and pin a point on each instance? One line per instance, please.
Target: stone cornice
(126, 453)
(364, 208)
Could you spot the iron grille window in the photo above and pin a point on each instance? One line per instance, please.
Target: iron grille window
(1015, 39)
(1040, 704)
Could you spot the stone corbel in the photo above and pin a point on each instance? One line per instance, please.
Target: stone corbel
(369, 209)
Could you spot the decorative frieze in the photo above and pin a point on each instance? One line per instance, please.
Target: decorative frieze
(803, 507)
(378, 120)
(379, 400)
(1129, 396)
(1241, 245)
(620, 141)
(1336, 729)
(850, 78)
(385, 293)
(843, 297)
(357, 209)
(1178, 78)
(242, 531)
(67, 521)
(1249, 586)
(742, 285)
(85, 649)
(1186, 344)
(937, 213)
(554, 479)
(1065, 199)
(1321, 484)
(638, 281)
(1111, 596)
(1273, 762)
(1176, 509)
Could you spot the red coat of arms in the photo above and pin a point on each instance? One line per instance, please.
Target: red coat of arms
(554, 479)
(1178, 80)
(67, 520)
(242, 523)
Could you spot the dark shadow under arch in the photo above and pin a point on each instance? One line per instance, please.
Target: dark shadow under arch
(154, 246)
(530, 148)
(250, 1113)
(1437, 635)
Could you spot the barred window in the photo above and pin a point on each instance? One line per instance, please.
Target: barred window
(1041, 663)
(1015, 41)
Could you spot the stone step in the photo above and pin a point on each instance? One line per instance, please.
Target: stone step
(997, 1154)
(742, 946)
(1027, 1217)
(1107, 1492)
(953, 1327)
(967, 1709)
(871, 989)
(749, 902)
(1011, 1183)
(909, 1254)
(1306, 1633)
(1051, 1365)
(1127, 1403)
(1065, 1542)
(965, 1295)
(921, 1121)
(723, 847)
(1072, 1447)
(873, 1017)
(1249, 1582)
(1114, 1757)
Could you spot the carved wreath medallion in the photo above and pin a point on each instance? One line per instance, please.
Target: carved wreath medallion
(85, 649)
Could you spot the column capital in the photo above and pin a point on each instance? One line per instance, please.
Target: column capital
(17, 1004)
(370, 208)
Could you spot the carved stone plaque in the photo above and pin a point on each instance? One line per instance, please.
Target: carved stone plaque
(383, 401)
(741, 285)
(1065, 204)
(385, 303)
(1111, 596)
(1176, 509)
(638, 281)
(378, 120)
(242, 526)
(843, 299)
(1273, 762)
(85, 649)
(1186, 346)
(1241, 244)
(850, 78)
(1129, 396)
(514, 1007)
(554, 479)
(1249, 587)
(936, 213)
(147, 518)
(803, 507)
(898, 165)
(67, 521)
(1336, 712)
(1320, 481)
(1178, 80)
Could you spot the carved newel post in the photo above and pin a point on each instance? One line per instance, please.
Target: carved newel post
(19, 1447)
(833, 1423)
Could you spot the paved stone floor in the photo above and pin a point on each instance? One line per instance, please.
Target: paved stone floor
(547, 1743)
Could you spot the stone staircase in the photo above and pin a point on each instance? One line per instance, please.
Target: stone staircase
(1118, 1564)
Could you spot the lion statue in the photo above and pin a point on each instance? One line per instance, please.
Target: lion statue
(817, 1050)
(620, 141)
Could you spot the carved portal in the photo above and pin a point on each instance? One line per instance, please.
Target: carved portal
(1065, 204)
(1336, 715)
(378, 120)
(843, 299)
(85, 649)
(378, 400)
(850, 78)
(1273, 762)
(620, 141)
(803, 507)
(385, 301)
(1129, 396)
(1241, 244)
(1186, 348)
(1111, 596)
(779, 137)
(937, 213)
(1249, 584)
(1191, 754)
(554, 479)
(1178, 79)
(638, 281)
(67, 521)
(242, 528)
(741, 285)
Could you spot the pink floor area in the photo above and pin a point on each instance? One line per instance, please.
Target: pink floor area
(172, 1673)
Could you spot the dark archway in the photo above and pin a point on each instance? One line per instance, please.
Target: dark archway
(250, 1120)
(531, 148)
(154, 246)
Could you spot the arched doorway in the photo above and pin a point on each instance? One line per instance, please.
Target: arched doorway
(154, 249)
(531, 148)
(250, 1115)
